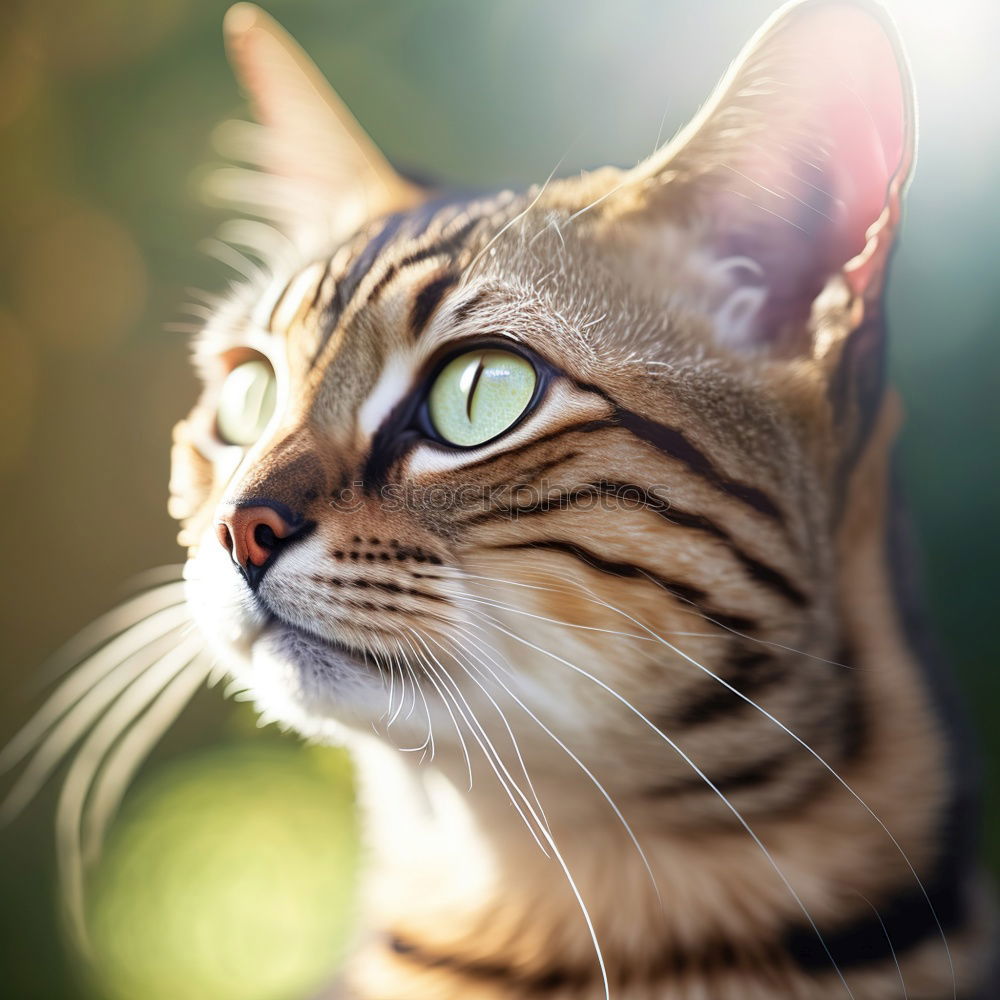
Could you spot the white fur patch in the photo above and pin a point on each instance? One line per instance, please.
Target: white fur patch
(393, 384)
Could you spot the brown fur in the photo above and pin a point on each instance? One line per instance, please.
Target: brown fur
(758, 440)
(777, 527)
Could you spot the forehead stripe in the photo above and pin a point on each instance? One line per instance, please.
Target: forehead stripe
(448, 244)
(428, 299)
(347, 286)
(298, 298)
(403, 228)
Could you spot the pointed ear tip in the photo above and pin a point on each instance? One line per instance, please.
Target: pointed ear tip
(875, 10)
(240, 19)
(862, 31)
(854, 18)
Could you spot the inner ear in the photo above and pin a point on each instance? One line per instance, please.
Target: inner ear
(792, 172)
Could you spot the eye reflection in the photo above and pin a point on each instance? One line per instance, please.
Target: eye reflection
(478, 395)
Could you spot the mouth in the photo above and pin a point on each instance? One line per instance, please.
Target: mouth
(330, 644)
(304, 680)
(304, 674)
(310, 683)
(316, 655)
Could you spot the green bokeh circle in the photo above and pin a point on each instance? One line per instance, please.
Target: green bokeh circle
(230, 877)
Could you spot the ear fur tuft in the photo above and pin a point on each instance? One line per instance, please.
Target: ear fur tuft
(797, 164)
(326, 175)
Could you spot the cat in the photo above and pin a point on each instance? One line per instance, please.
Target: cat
(569, 511)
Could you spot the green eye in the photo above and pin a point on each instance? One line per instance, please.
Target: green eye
(246, 402)
(479, 395)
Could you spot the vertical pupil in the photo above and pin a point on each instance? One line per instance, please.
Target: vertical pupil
(480, 394)
(469, 381)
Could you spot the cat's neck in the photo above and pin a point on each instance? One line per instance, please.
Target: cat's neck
(461, 902)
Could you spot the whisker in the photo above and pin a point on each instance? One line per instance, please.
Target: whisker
(418, 689)
(511, 222)
(478, 733)
(63, 720)
(231, 257)
(432, 674)
(123, 762)
(559, 858)
(387, 714)
(629, 178)
(888, 938)
(126, 615)
(212, 299)
(267, 242)
(478, 643)
(701, 774)
(822, 761)
(405, 670)
(447, 707)
(588, 596)
(455, 653)
(197, 311)
(488, 602)
(818, 757)
(88, 760)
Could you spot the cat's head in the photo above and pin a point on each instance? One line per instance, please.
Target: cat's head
(559, 455)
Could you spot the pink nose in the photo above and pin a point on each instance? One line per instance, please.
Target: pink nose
(251, 535)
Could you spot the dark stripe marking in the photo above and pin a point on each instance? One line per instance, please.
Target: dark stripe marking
(859, 944)
(533, 472)
(586, 427)
(470, 305)
(525, 480)
(522, 980)
(749, 674)
(407, 226)
(347, 286)
(279, 302)
(390, 272)
(746, 777)
(427, 300)
(684, 592)
(672, 442)
(904, 922)
(759, 571)
(385, 587)
(909, 923)
(447, 245)
(444, 245)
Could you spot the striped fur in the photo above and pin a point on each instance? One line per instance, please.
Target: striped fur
(721, 658)
(633, 702)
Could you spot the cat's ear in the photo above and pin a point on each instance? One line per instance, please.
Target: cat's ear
(792, 174)
(323, 168)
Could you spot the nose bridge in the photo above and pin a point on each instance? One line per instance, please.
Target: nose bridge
(282, 495)
(290, 477)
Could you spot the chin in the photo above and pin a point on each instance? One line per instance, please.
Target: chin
(320, 688)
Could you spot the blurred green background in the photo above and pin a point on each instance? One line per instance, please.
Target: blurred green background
(229, 871)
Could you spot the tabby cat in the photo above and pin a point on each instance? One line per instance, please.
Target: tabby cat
(569, 512)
